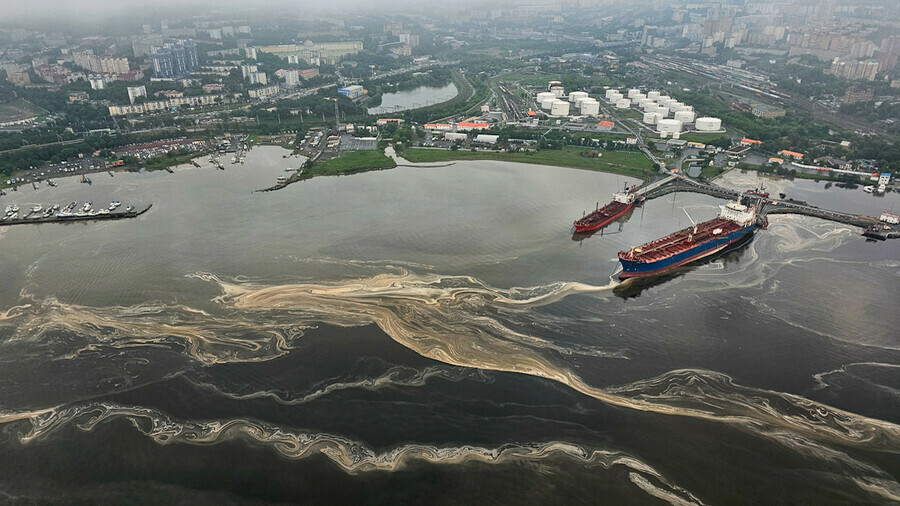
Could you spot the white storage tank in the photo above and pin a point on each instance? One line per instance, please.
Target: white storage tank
(632, 92)
(544, 95)
(547, 103)
(662, 98)
(623, 103)
(668, 126)
(558, 91)
(653, 95)
(685, 116)
(662, 111)
(575, 95)
(611, 92)
(590, 107)
(668, 103)
(651, 118)
(645, 102)
(681, 107)
(707, 124)
(615, 97)
(559, 108)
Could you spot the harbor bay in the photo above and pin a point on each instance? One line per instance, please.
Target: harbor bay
(367, 332)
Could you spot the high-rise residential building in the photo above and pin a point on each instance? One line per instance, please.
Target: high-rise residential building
(854, 70)
(175, 61)
(292, 78)
(102, 65)
(889, 53)
(856, 94)
(246, 70)
(258, 78)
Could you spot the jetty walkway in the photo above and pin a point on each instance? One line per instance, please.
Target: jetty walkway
(679, 183)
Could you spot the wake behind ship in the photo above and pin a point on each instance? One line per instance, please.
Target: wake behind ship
(734, 222)
(622, 202)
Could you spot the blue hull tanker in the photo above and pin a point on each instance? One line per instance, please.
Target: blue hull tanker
(734, 223)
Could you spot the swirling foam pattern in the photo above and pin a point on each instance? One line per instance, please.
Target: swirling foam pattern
(455, 320)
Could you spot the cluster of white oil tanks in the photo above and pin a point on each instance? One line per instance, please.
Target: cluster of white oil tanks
(577, 102)
(668, 114)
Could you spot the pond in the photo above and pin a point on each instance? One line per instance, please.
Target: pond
(414, 98)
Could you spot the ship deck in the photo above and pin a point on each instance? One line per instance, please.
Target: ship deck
(679, 241)
(603, 213)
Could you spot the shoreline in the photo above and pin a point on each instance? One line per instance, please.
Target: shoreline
(123, 168)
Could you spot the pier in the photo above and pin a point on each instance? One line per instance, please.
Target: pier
(677, 182)
(117, 214)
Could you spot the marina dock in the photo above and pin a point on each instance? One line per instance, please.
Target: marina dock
(117, 214)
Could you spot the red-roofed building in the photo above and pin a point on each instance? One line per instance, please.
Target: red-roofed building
(309, 73)
(750, 142)
(463, 126)
(385, 121)
(532, 113)
(793, 154)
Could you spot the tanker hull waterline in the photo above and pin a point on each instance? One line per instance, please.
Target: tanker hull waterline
(632, 269)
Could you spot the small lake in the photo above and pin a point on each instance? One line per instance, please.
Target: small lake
(415, 98)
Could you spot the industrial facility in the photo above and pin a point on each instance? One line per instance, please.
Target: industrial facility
(669, 116)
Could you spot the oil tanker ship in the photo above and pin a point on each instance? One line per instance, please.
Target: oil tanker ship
(622, 202)
(734, 222)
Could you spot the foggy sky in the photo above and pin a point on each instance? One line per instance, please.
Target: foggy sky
(98, 11)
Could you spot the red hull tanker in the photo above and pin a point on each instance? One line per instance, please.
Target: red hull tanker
(621, 204)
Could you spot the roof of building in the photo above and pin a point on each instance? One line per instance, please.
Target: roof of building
(791, 153)
(750, 141)
(470, 124)
(606, 124)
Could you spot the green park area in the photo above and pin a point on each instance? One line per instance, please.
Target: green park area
(629, 163)
(350, 162)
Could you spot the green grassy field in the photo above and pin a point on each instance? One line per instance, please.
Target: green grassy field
(702, 137)
(19, 109)
(350, 162)
(630, 163)
(170, 160)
